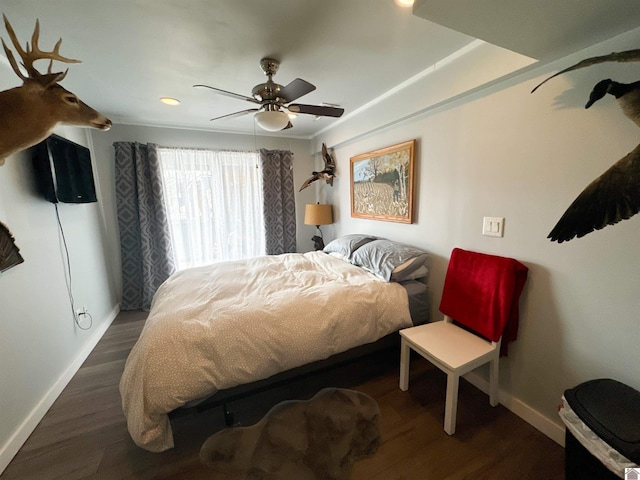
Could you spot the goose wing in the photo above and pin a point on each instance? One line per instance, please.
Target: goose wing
(613, 196)
(308, 182)
(626, 56)
(329, 163)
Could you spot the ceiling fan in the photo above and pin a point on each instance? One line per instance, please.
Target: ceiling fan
(275, 100)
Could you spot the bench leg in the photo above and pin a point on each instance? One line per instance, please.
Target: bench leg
(405, 351)
(451, 404)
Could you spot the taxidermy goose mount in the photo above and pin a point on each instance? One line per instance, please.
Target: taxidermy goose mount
(327, 173)
(275, 100)
(614, 195)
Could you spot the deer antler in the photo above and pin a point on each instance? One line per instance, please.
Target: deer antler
(33, 53)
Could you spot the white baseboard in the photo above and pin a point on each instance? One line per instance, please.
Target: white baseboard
(15, 442)
(19, 437)
(534, 418)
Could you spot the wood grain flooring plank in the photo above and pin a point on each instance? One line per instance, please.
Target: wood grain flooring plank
(84, 434)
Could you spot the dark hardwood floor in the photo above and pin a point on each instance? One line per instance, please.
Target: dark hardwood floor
(84, 434)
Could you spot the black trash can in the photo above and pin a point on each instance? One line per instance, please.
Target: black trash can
(611, 410)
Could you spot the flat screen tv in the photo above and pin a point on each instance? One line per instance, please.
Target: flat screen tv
(63, 171)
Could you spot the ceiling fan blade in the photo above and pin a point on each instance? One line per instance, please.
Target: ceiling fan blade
(236, 114)
(230, 94)
(296, 89)
(318, 110)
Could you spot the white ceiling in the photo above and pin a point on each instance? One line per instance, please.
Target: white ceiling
(540, 29)
(353, 51)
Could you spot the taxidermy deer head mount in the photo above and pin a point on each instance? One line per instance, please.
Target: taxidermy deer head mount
(29, 113)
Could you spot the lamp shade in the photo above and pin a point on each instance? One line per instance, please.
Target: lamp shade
(317, 214)
(272, 121)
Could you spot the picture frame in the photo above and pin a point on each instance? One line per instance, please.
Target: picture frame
(382, 183)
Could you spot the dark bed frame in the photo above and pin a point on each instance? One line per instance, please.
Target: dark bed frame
(389, 343)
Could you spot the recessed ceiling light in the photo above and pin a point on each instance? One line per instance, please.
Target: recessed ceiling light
(170, 101)
(404, 3)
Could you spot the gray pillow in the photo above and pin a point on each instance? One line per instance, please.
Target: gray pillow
(382, 257)
(347, 244)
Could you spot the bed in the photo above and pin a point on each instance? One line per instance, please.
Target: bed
(217, 328)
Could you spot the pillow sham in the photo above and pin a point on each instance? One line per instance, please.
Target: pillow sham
(347, 244)
(401, 275)
(381, 257)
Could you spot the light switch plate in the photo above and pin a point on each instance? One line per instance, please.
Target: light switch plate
(493, 226)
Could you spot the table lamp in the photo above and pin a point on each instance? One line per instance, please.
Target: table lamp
(318, 214)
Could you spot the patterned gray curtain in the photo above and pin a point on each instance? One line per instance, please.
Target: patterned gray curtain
(145, 242)
(279, 201)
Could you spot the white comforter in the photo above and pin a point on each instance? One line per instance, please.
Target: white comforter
(230, 323)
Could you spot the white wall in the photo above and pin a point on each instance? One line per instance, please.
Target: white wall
(41, 347)
(303, 164)
(501, 151)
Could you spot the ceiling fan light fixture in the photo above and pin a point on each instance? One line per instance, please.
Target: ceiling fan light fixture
(271, 121)
(404, 3)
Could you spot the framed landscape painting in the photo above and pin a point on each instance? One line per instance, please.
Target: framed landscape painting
(382, 184)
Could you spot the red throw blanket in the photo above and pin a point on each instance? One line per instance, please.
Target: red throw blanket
(481, 292)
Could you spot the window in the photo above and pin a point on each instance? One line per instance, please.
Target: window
(214, 205)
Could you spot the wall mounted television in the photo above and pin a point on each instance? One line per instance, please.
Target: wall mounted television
(63, 171)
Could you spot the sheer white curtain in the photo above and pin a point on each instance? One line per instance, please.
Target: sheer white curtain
(214, 204)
